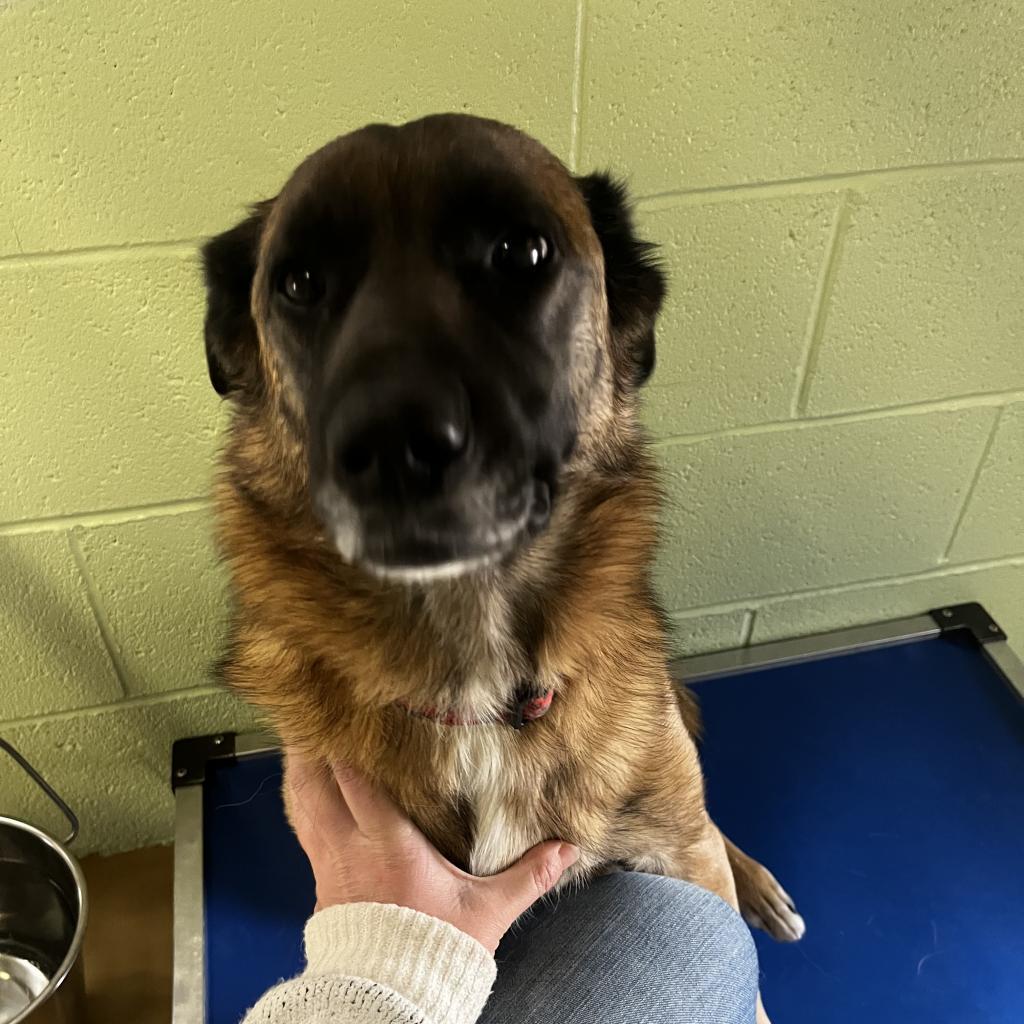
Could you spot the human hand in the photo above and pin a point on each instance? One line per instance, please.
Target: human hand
(363, 849)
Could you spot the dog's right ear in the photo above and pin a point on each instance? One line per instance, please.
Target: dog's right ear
(229, 265)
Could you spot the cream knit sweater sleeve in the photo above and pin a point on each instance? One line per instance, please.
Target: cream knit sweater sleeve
(381, 963)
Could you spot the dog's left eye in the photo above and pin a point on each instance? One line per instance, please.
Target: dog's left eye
(521, 252)
(300, 285)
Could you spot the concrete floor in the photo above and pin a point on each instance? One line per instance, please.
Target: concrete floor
(128, 938)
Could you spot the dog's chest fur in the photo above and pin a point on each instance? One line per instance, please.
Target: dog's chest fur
(485, 763)
(333, 661)
(486, 770)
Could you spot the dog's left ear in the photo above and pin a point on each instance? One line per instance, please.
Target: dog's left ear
(229, 265)
(634, 280)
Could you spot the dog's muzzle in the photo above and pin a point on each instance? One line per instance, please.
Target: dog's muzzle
(415, 481)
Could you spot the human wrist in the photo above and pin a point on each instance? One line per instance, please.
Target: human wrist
(430, 962)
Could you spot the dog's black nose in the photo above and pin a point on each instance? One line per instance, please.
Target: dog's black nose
(396, 436)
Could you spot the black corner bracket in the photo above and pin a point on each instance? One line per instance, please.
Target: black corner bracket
(190, 757)
(971, 617)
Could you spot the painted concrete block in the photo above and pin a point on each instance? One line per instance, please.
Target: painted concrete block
(998, 588)
(993, 524)
(131, 121)
(52, 655)
(813, 506)
(698, 634)
(104, 395)
(686, 94)
(743, 276)
(164, 595)
(927, 302)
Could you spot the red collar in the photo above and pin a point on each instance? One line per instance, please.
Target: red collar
(527, 706)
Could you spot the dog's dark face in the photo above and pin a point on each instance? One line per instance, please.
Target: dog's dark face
(443, 317)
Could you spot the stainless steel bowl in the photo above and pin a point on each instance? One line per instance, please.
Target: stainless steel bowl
(42, 921)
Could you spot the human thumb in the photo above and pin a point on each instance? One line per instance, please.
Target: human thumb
(537, 871)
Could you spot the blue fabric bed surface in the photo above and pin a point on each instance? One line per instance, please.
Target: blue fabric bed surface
(885, 789)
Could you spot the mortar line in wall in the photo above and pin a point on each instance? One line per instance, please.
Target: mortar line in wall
(975, 478)
(668, 197)
(187, 246)
(747, 628)
(766, 600)
(577, 86)
(821, 182)
(975, 400)
(99, 614)
(114, 517)
(142, 700)
(819, 308)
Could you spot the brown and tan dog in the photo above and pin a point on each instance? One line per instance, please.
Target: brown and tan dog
(438, 506)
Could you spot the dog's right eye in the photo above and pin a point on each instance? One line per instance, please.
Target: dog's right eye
(521, 252)
(300, 285)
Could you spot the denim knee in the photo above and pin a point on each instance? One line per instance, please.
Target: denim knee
(628, 947)
(697, 920)
(712, 911)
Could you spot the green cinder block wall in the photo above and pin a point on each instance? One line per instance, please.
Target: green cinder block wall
(839, 404)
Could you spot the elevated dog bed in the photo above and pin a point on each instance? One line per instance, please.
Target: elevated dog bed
(878, 772)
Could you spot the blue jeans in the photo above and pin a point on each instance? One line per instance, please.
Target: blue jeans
(628, 949)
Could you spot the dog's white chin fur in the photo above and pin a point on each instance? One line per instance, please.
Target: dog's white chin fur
(347, 541)
(419, 574)
(346, 531)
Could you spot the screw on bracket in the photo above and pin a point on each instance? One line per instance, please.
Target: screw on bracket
(971, 617)
(190, 757)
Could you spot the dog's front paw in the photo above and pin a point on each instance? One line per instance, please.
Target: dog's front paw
(766, 905)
